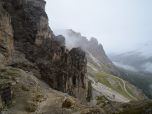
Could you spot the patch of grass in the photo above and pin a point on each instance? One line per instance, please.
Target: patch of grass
(126, 106)
(12, 74)
(4, 77)
(130, 92)
(14, 69)
(149, 105)
(1, 85)
(25, 88)
(13, 95)
(3, 70)
(89, 91)
(105, 82)
(101, 99)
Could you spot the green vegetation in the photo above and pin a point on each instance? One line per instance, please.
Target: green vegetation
(14, 69)
(130, 110)
(13, 95)
(1, 85)
(89, 91)
(25, 88)
(130, 92)
(12, 74)
(101, 99)
(102, 77)
(3, 70)
(141, 80)
(133, 111)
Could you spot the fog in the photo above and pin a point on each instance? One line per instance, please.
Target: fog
(147, 67)
(127, 67)
(119, 25)
(151, 87)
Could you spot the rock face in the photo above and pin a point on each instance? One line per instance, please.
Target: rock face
(74, 39)
(6, 93)
(6, 36)
(37, 49)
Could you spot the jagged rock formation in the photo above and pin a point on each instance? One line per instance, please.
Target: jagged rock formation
(95, 53)
(74, 39)
(37, 49)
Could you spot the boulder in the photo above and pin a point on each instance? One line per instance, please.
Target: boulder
(69, 101)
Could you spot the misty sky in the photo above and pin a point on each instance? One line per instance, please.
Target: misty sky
(119, 25)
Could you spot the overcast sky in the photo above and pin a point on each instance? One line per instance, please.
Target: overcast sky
(119, 25)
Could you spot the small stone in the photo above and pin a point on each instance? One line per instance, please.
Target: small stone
(13, 102)
(14, 83)
(17, 81)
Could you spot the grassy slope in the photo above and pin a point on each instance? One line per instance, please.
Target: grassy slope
(102, 77)
(130, 92)
(141, 80)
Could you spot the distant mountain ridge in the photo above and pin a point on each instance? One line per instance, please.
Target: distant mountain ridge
(140, 59)
(135, 67)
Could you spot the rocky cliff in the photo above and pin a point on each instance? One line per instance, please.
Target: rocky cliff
(6, 36)
(95, 53)
(74, 39)
(27, 42)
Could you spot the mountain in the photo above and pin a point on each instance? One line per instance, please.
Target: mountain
(28, 43)
(139, 60)
(135, 67)
(101, 69)
(39, 75)
(95, 53)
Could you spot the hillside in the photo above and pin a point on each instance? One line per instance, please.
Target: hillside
(40, 75)
(139, 59)
(100, 71)
(135, 67)
(141, 80)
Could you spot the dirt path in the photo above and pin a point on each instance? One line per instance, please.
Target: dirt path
(127, 91)
(125, 87)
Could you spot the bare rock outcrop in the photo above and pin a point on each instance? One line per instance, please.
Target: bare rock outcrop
(74, 39)
(38, 50)
(6, 36)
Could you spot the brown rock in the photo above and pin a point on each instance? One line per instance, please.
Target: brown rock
(44, 53)
(69, 102)
(6, 37)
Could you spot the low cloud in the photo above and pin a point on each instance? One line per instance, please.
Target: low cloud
(150, 87)
(73, 39)
(147, 67)
(127, 67)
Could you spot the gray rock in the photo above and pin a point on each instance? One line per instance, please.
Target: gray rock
(38, 50)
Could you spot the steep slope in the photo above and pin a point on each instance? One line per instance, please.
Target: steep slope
(135, 67)
(114, 88)
(94, 51)
(101, 70)
(46, 53)
(141, 80)
(33, 59)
